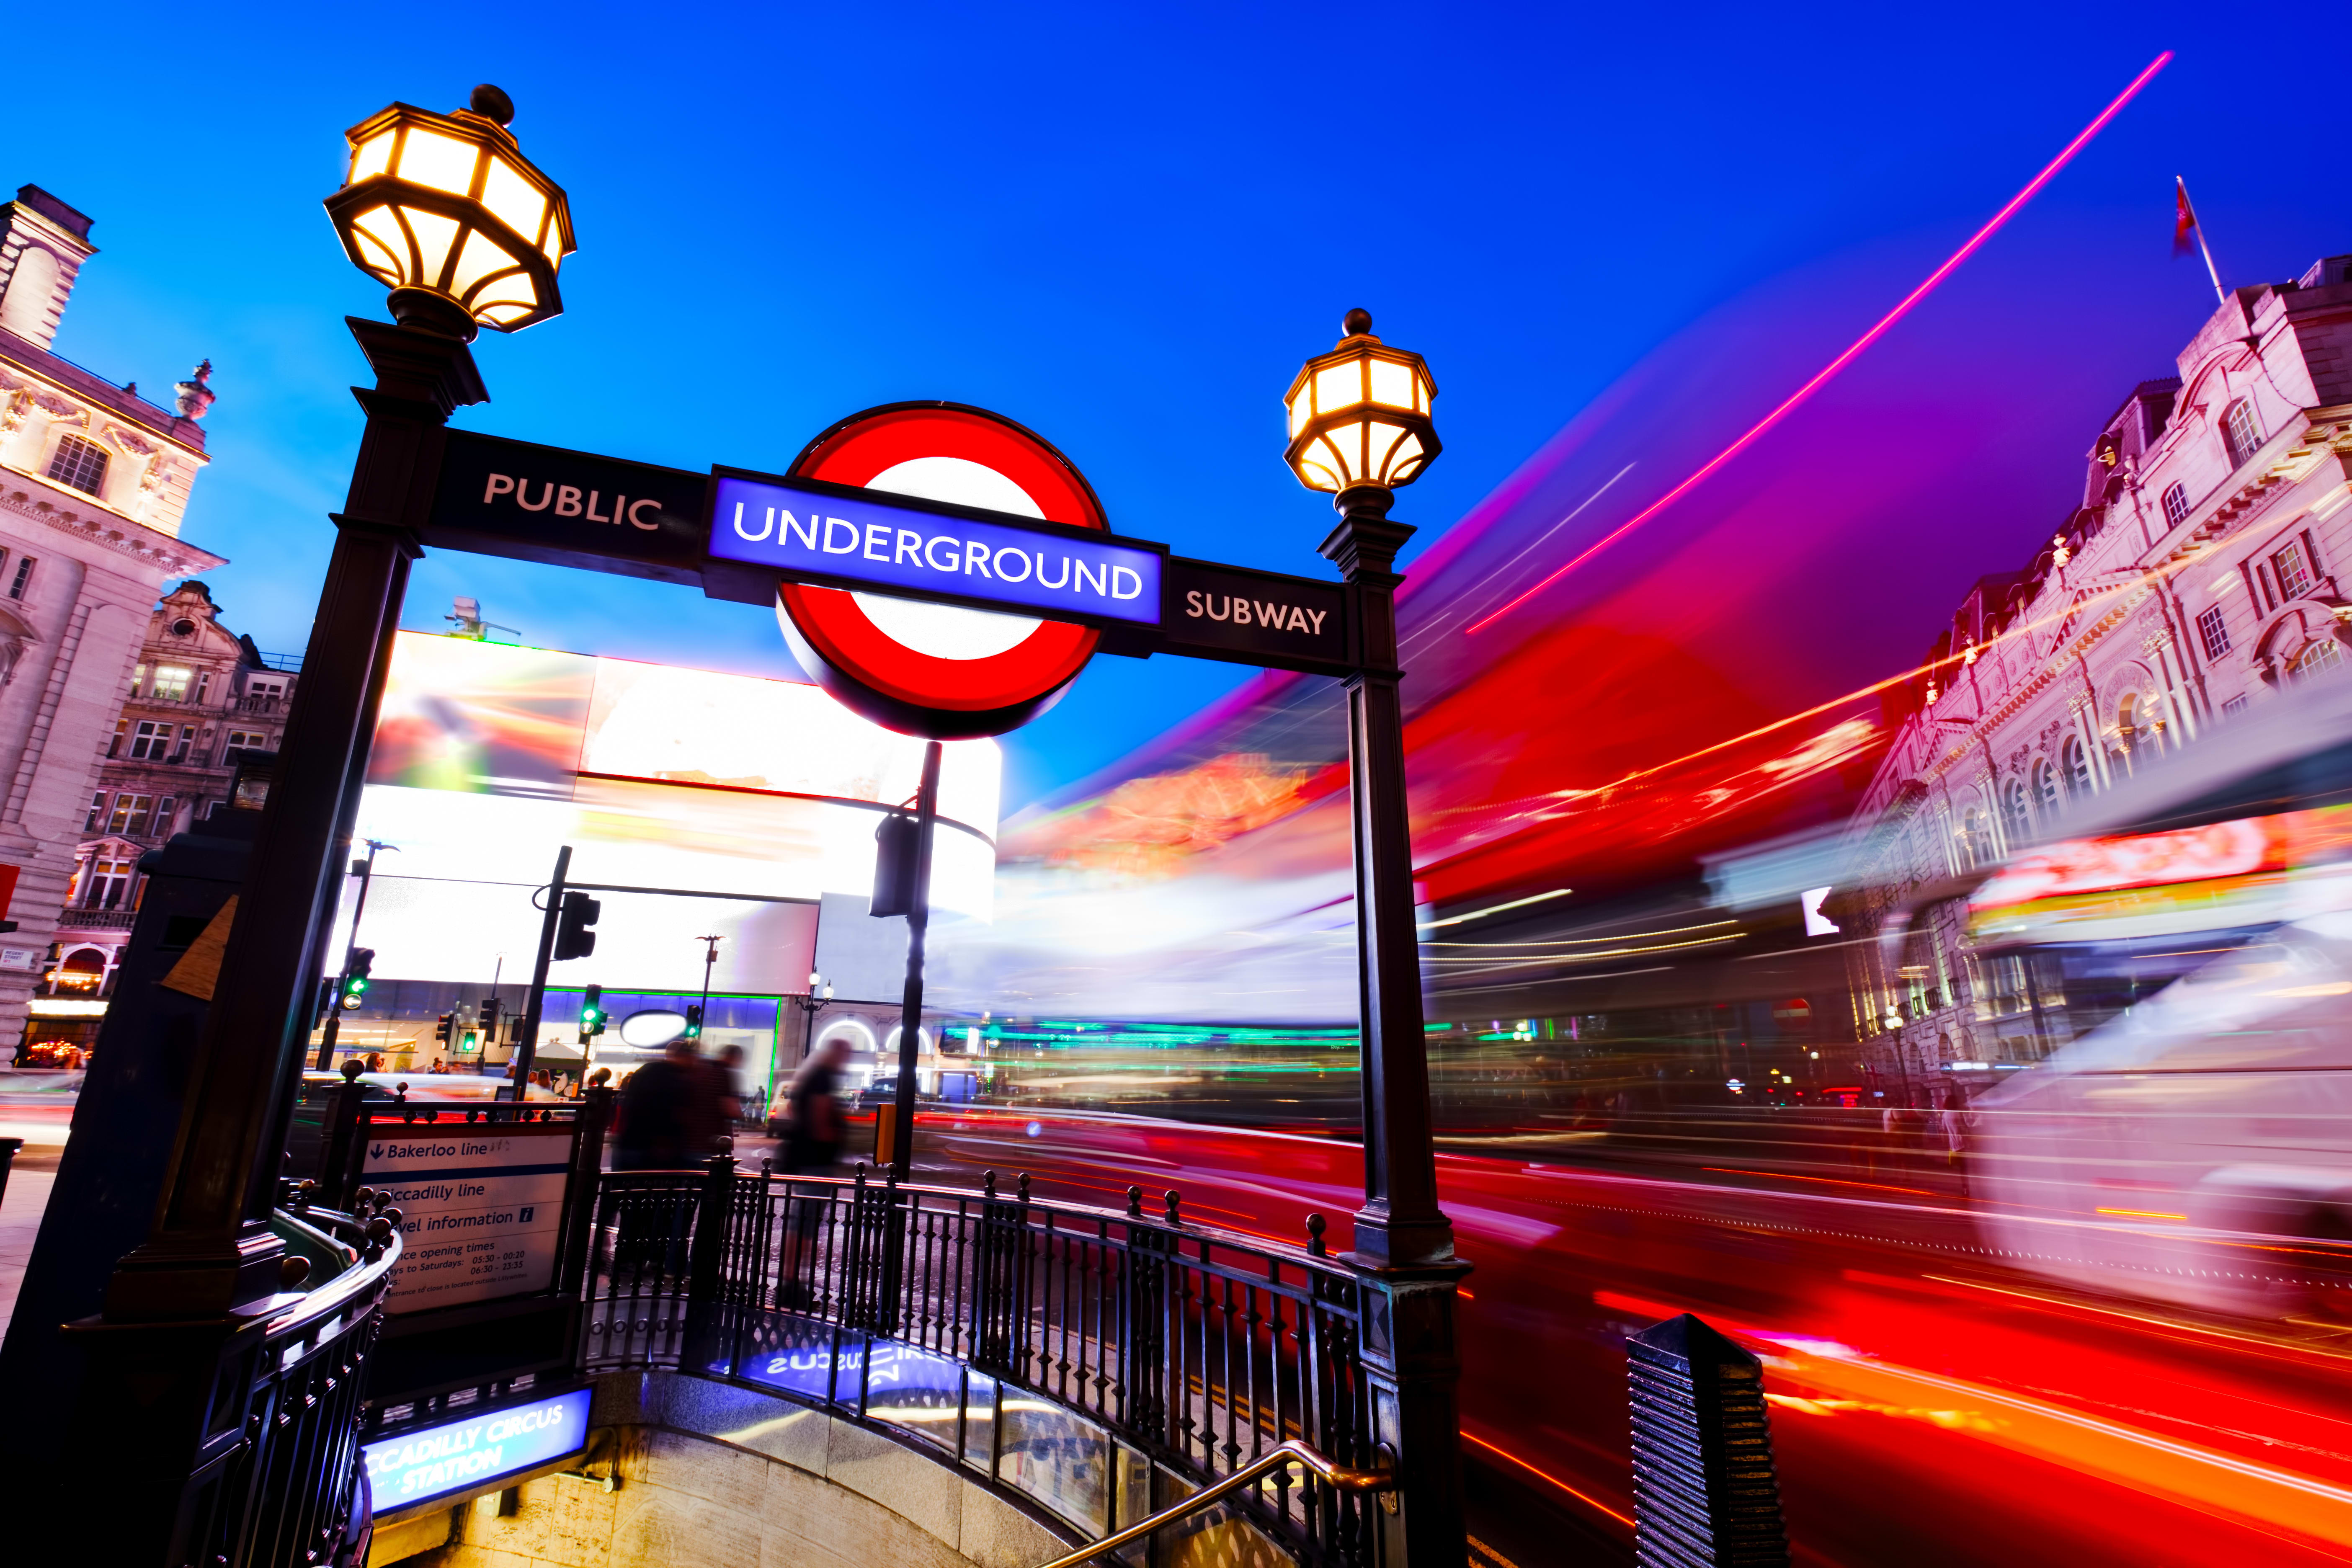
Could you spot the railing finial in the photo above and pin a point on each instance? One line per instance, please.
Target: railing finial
(1135, 1203)
(1315, 1227)
(1022, 1186)
(1174, 1198)
(988, 1183)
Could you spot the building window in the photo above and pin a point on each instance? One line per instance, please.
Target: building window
(253, 739)
(97, 812)
(2235, 705)
(2237, 432)
(172, 682)
(2045, 785)
(2176, 505)
(138, 673)
(24, 577)
(2015, 816)
(2213, 630)
(109, 880)
(203, 685)
(1976, 839)
(166, 810)
(2078, 770)
(122, 729)
(187, 739)
(80, 465)
(2294, 574)
(131, 815)
(2320, 655)
(149, 739)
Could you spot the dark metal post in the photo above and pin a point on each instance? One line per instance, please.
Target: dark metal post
(1705, 1491)
(527, 1048)
(895, 1136)
(1403, 1251)
(335, 1010)
(210, 1248)
(587, 1178)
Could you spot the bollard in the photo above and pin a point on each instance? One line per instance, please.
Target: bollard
(1704, 1491)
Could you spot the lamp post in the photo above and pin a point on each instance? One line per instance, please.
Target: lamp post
(1360, 428)
(443, 209)
(365, 871)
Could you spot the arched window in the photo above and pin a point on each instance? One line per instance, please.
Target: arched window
(80, 464)
(2015, 816)
(2176, 505)
(2045, 787)
(2078, 769)
(1976, 839)
(2237, 432)
(2323, 655)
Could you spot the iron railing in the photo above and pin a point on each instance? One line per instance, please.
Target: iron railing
(1106, 1363)
(281, 1486)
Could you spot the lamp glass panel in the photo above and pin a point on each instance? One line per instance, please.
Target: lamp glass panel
(515, 291)
(1346, 444)
(1302, 409)
(481, 256)
(514, 199)
(373, 157)
(1392, 384)
(554, 245)
(1316, 475)
(435, 235)
(382, 244)
(1421, 393)
(1339, 385)
(444, 162)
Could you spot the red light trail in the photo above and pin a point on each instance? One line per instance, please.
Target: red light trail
(1829, 372)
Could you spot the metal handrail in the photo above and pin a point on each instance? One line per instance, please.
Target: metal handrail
(1347, 1477)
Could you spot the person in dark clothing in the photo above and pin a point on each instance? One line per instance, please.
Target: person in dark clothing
(659, 1117)
(812, 1145)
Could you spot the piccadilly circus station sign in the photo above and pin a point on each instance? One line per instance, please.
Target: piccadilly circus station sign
(938, 569)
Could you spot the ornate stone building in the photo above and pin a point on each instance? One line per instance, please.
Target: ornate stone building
(2209, 568)
(199, 696)
(93, 481)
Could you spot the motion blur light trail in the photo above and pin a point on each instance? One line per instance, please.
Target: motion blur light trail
(1829, 372)
(1933, 1406)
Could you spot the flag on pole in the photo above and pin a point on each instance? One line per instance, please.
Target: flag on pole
(2184, 224)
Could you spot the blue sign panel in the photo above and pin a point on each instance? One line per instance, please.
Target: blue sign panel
(865, 542)
(473, 1455)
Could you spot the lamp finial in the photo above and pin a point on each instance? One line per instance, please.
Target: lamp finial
(492, 104)
(1357, 322)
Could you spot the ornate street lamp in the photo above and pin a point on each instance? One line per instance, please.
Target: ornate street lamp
(449, 215)
(1360, 414)
(1360, 428)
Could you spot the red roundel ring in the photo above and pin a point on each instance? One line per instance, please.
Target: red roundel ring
(874, 673)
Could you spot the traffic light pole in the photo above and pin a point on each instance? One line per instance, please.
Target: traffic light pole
(527, 1048)
(895, 1136)
(335, 1007)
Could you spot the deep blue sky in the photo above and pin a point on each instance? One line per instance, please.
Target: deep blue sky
(1124, 227)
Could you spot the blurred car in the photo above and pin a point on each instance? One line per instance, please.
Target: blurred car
(2193, 1142)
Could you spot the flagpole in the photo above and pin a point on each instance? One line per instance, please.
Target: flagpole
(2198, 225)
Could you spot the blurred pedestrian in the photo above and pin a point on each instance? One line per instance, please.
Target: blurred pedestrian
(656, 1125)
(813, 1110)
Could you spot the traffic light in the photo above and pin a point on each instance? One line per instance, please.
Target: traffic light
(592, 1010)
(573, 936)
(355, 977)
(488, 1014)
(445, 1027)
(897, 838)
(694, 1021)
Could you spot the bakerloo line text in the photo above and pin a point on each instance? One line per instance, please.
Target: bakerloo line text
(881, 542)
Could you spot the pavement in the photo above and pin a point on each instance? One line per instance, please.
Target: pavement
(34, 1171)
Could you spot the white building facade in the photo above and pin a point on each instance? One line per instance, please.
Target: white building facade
(2208, 569)
(93, 482)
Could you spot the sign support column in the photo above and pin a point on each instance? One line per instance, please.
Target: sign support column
(895, 1135)
(1404, 1252)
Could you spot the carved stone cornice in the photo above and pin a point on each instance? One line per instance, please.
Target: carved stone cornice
(109, 530)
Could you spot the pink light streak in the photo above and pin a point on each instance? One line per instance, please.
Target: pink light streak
(1829, 372)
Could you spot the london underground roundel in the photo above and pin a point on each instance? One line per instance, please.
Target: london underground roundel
(940, 670)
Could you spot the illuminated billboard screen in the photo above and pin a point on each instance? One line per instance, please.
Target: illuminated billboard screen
(763, 796)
